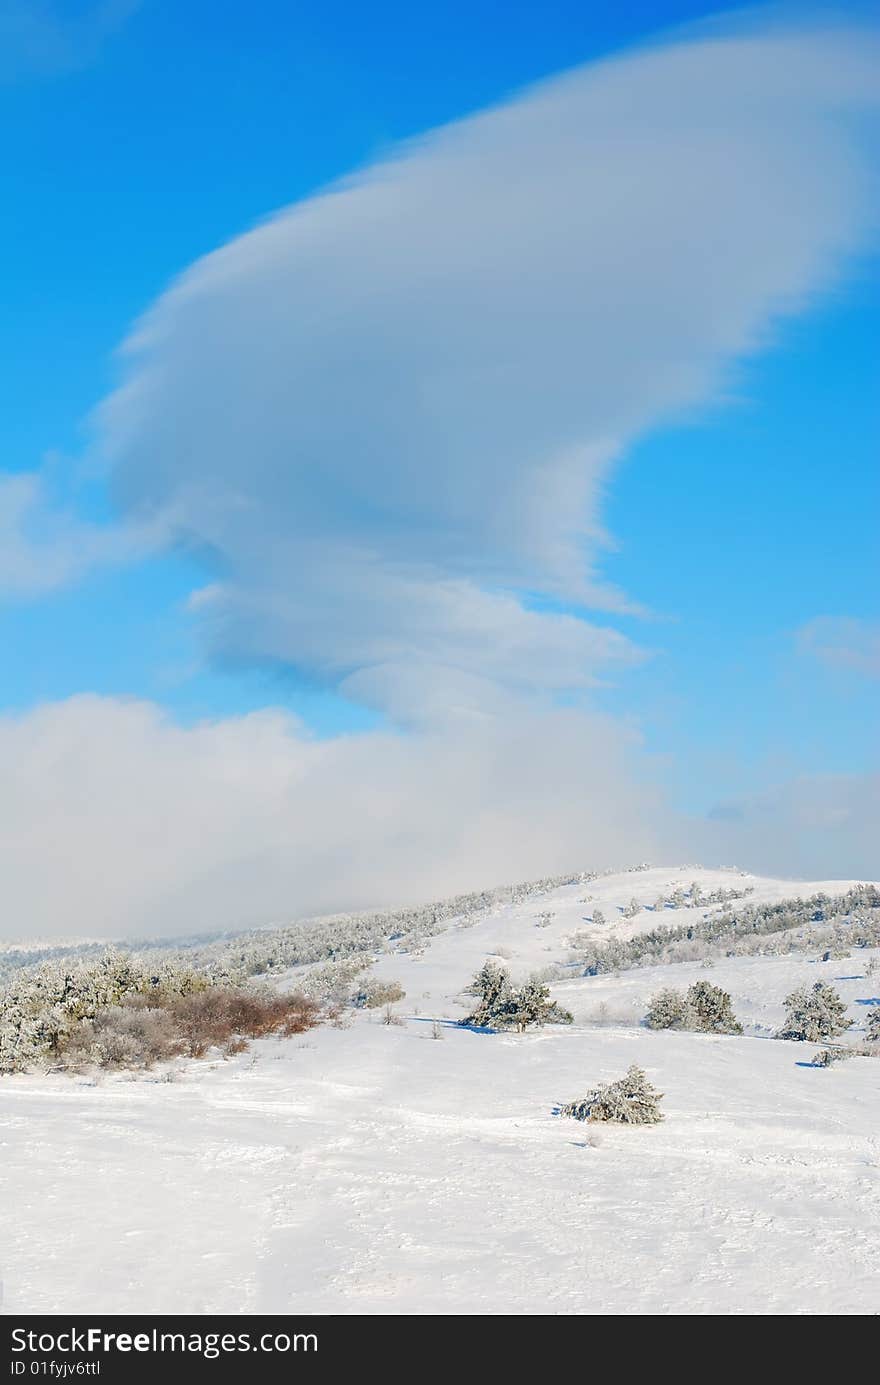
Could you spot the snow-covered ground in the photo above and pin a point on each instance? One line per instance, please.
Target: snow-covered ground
(378, 1169)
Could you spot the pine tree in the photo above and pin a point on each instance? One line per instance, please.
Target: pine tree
(667, 1010)
(874, 1024)
(712, 1010)
(815, 1012)
(704, 1008)
(501, 1006)
(598, 916)
(631, 1101)
(632, 909)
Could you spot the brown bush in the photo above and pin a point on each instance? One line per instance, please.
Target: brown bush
(139, 1032)
(222, 1014)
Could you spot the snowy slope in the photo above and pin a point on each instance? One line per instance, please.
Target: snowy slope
(376, 1169)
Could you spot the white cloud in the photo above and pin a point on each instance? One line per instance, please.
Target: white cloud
(843, 642)
(395, 405)
(115, 822)
(44, 545)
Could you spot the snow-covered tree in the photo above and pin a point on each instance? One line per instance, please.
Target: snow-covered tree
(667, 1010)
(632, 909)
(814, 1012)
(531, 1004)
(704, 1008)
(503, 1006)
(631, 1100)
(696, 894)
(712, 1009)
(874, 1024)
(598, 916)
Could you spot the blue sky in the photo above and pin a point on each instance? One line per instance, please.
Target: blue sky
(741, 510)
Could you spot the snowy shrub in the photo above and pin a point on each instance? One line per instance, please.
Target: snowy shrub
(122, 1036)
(836, 954)
(703, 1009)
(632, 909)
(631, 1101)
(331, 983)
(826, 1056)
(815, 1012)
(373, 994)
(503, 1006)
(667, 1010)
(598, 916)
(873, 1024)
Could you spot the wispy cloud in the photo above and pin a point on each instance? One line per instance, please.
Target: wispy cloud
(391, 410)
(43, 38)
(45, 545)
(842, 642)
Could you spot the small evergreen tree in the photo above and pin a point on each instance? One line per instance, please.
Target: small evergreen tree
(667, 1010)
(696, 894)
(874, 1024)
(704, 1008)
(632, 909)
(631, 1101)
(531, 1004)
(598, 916)
(502, 1006)
(712, 1009)
(492, 986)
(815, 1012)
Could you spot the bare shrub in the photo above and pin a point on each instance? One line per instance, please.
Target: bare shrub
(138, 1033)
(122, 1036)
(222, 1014)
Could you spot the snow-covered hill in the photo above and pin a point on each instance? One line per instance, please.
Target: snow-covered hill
(380, 1169)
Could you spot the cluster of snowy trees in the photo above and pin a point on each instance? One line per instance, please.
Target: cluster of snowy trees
(703, 1008)
(41, 1006)
(117, 1011)
(500, 1005)
(851, 919)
